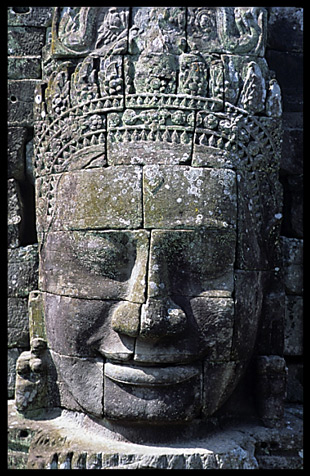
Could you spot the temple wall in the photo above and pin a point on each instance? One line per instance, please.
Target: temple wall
(28, 31)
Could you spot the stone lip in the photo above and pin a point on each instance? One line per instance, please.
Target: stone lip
(150, 376)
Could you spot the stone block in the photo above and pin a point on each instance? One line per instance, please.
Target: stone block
(22, 270)
(95, 264)
(293, 206)
(191, 263)
(248, 302)
(218, 377)
(271, 389)
(30, 16)
(18, 326)
(292, 252)
(213, 29)
(259, 220)
(15, 214)
(20, 102)
(293, 337)
(292, 152)
(106, 198)
(295, 388)
(84, 385)
(237, 74)
(16, 152)
(296, 216)
(25, 41)
(13, 355)
(24, 68)
(178, 197)
(64, 45)
(183, 329)
(285, 29)
(215, 319)
(271, 327)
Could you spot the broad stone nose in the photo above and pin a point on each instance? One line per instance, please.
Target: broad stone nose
(161, 317)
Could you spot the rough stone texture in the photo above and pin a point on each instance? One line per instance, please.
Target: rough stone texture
(25, 41)
(22, 270)
(65, 442)
(198, 191)
(18, 325)
(112, 200)
(16, 143)
(292, 251)
(20, 101)
(111, 266)
(15, 214)
(30, 16)
(24, 68)
(13, 355)
(293, 343)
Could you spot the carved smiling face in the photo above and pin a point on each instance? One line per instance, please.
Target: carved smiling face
(139, 282)
(153, 238)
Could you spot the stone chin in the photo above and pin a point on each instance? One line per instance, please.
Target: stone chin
(169, 394)
(152, 394)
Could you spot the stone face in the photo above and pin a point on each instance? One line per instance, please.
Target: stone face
(271, 332)
(156, 158)
(191, 262)
(81, 334)
(248, 299)
(219, 376)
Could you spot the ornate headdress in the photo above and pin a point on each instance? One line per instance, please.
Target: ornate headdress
(178, 86)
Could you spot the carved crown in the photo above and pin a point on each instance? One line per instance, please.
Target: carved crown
(121, 94)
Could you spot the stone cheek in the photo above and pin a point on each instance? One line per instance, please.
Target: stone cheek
(95, 264)
(82, 328)
(80, 390)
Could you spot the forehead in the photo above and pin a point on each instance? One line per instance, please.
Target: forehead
(135, 197)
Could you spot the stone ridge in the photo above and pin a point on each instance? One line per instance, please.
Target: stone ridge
(61, 442)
